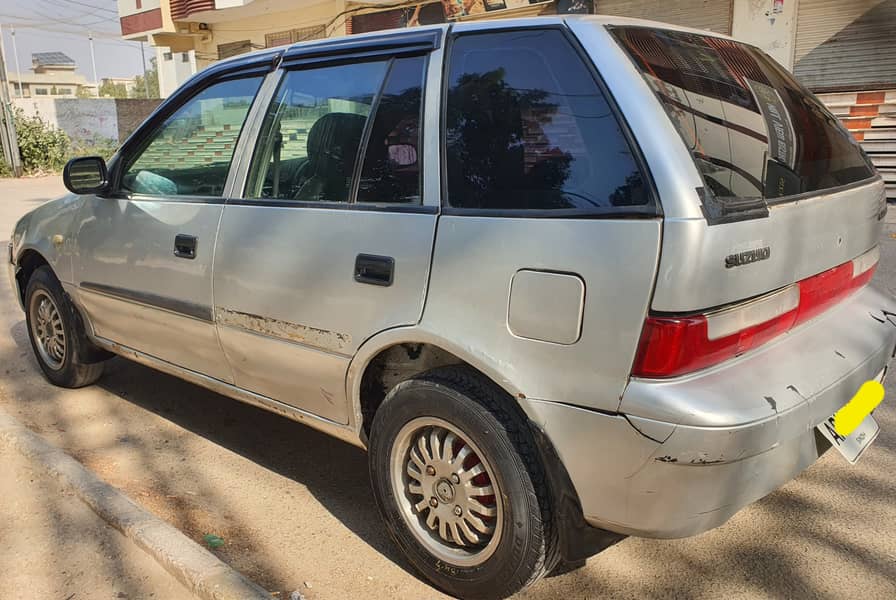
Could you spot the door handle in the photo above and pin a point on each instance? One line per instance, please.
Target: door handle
(375, 270)
(185, 246)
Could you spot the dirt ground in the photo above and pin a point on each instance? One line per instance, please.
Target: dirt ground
(296, 511)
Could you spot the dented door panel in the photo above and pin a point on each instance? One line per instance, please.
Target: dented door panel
(288, 308)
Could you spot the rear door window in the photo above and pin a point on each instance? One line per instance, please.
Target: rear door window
(332, 127)
(753, 130)
(311, 134)
(529, 129)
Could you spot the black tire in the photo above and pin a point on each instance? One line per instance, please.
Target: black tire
(72, 371)
(484, 413)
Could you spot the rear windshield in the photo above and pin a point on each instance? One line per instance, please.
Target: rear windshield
(755, 133)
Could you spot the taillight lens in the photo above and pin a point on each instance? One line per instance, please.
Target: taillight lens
(671, 346)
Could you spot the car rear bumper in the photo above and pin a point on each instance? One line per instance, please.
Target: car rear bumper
(684, 455)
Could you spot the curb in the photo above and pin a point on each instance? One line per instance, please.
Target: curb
(203, 573)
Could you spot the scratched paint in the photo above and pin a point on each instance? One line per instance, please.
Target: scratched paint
(284, 330)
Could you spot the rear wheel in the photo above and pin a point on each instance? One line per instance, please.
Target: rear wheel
(57, 333)
(458, 481)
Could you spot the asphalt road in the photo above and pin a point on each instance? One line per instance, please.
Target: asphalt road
(296, 512)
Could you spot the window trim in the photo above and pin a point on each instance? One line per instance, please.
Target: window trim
(653, 209)
(390, 45)
(362, 206)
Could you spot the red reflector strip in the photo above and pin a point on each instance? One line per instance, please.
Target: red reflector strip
(820, 292)
(673, 346)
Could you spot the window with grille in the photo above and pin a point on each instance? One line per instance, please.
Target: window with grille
(230, 49)
(303, 34)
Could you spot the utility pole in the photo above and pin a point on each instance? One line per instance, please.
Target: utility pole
(15, 55)
(143, 62)
(8, 137)
(96, 82)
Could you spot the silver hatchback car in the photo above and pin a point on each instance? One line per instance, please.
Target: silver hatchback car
(565, 278)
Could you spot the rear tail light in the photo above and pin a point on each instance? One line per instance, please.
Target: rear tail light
(672, 346)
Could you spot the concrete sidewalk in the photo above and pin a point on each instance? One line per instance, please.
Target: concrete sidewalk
(53, 546)
(203, 574)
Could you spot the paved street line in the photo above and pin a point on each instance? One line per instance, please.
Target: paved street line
(205, 575)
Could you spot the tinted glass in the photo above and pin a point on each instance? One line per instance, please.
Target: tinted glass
(310, 137)
(753, 130)
(528, 128)
(391, 171)
(190, 154)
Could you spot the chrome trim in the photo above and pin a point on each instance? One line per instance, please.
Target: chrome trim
(432, 114)
(731, 320)
(342, 432)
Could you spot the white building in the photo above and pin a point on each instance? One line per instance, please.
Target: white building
(52, 74)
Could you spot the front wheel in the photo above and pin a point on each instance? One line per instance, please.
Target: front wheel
(57, 333)
(459, 483)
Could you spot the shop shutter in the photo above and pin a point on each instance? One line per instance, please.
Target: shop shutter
(846, 46)
(713, 15)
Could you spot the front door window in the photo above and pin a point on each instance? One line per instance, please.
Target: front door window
(191, 152)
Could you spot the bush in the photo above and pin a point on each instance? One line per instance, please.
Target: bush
(43, 148)
(46, 149)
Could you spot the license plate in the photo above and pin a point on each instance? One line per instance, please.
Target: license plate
(860, 436)
(853, 445)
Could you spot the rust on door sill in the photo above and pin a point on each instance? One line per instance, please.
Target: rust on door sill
(284, 330)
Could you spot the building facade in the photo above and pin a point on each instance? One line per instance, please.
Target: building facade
(52, 74)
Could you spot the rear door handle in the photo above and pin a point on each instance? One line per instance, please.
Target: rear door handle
(185, 246)
(375, 270)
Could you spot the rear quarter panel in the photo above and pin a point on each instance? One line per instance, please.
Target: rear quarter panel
(474, 264)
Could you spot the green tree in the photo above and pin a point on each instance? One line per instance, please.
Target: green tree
(151, 83)
(113, 90)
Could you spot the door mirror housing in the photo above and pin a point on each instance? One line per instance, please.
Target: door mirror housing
(86, 175)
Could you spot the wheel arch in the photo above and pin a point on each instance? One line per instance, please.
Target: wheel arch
(576, 540)
(424, 350)
(28, 261)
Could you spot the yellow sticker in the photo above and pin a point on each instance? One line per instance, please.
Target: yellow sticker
(866, 399)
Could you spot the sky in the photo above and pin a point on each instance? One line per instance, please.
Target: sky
(64, 26)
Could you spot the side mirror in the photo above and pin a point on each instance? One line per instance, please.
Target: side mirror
(85, 175)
